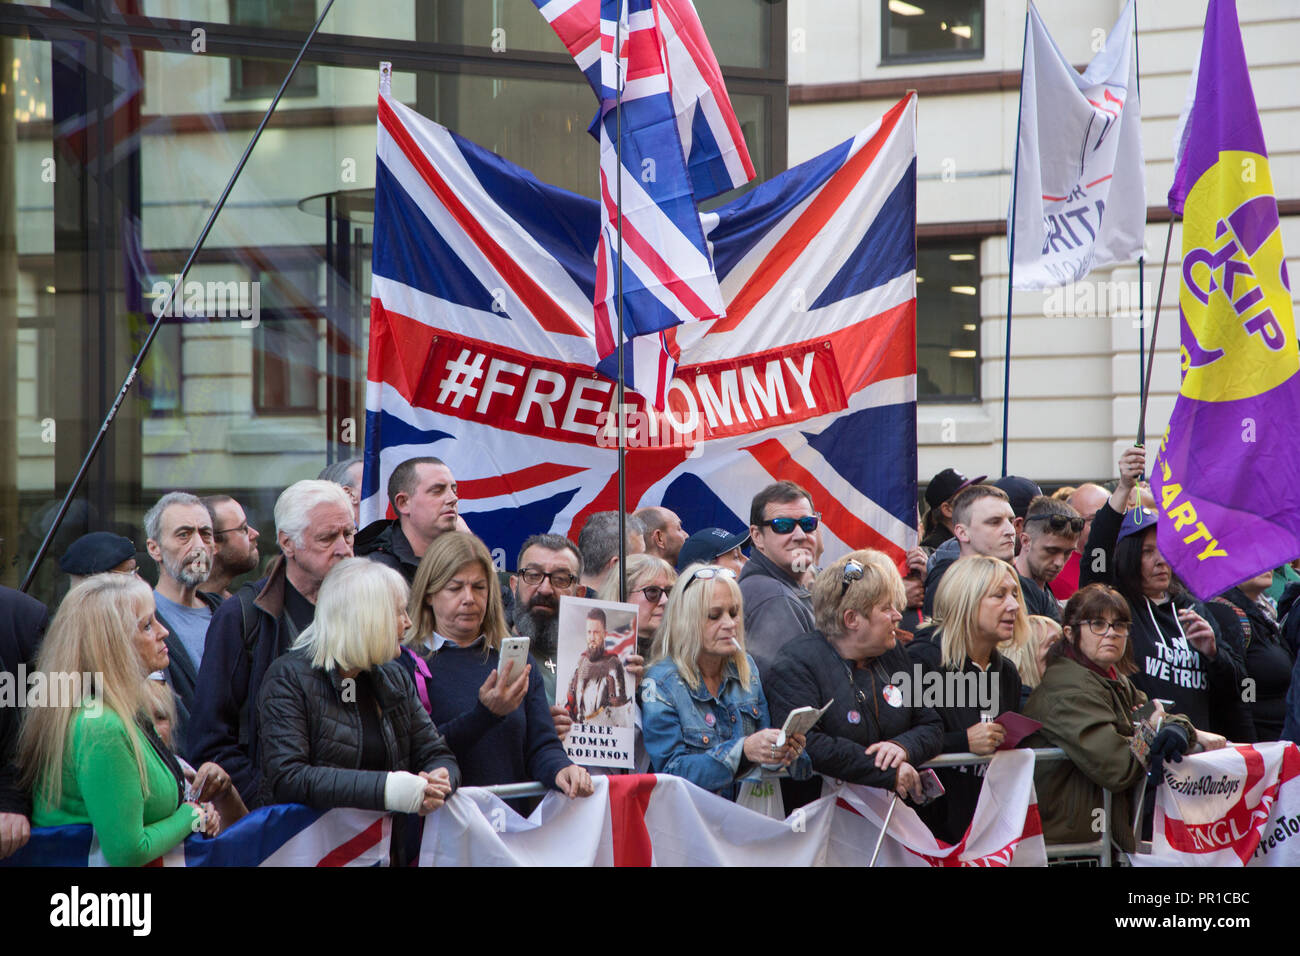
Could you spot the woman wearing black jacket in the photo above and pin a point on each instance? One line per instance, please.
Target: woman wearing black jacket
(978, 605)
(870, 735)
(339, 720)
(1257, 639)
(1180, 657)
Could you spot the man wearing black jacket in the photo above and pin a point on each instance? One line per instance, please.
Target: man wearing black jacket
(23, 621)
(423, 493)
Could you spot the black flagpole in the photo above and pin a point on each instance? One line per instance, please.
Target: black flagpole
(1011, 254)
(161, 313)
(1155, 328)
(618, 292)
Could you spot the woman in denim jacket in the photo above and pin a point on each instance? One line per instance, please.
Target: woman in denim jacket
(703, 713)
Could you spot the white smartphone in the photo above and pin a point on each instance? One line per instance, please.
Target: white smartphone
(514, 656)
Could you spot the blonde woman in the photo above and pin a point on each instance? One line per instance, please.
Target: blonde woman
(649, 582)
(499, 725)
(978, 606)
(1030, 656)
(870, 735)
(97, 760)
(703, 713)
(339, 721)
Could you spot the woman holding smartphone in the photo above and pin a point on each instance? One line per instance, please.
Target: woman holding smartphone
(497, 723)
(870, 735)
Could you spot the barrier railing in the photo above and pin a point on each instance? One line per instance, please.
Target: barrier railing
(1102, 847)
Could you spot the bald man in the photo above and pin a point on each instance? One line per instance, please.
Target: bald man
(1087, 500)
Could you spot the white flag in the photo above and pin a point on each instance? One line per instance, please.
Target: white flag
(1080, 196)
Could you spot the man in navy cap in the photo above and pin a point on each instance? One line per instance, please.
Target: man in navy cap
(939, 493)
(714, 546)
(96, 553)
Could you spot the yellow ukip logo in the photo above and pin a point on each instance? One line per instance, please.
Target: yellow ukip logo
(1235, 302)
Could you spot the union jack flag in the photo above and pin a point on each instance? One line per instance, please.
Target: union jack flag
(281, 835)
(711, 138)
(481, 351)
(646, 193)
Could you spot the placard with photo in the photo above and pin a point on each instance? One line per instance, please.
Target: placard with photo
(592, 682)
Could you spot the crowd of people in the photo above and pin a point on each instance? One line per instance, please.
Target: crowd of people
(373, 667)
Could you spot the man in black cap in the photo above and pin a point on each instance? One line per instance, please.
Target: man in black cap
(96, 553)
(939, 493)
(714, 546)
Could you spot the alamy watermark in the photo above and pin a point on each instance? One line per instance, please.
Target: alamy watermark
(946, 688)
(39, 689)
(220, 300)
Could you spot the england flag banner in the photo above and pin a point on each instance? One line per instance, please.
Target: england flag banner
(1080, 191)
(661, 820)
(1239, 806)
(483, 346)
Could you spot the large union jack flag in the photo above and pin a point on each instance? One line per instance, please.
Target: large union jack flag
(482, 345)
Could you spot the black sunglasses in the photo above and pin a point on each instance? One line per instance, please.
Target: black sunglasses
(1059, 523)
(654, 592)
(786, 525)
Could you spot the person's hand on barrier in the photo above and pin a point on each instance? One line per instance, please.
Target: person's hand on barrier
(888, 754)
(437, 787)
(635, 666)
(574, 781)
(501, 695)
(563, 722)
(208, 821)
(1209, 741)
(1169, 744)
(984, 738)
(15, 831)
(908, 783)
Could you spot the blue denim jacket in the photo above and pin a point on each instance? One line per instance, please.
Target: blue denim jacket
(699, 737)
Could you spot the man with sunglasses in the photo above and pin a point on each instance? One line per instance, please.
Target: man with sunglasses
(1050, 532)
(777, 607)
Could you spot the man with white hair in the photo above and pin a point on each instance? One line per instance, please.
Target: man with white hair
(179, 533)
(314, 528)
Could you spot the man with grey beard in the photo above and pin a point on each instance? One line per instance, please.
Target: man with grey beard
(179, 532)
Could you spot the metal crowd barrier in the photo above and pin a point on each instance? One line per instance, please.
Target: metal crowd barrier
(1102, 847)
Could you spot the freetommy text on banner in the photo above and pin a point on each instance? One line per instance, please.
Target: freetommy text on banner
(482, 345)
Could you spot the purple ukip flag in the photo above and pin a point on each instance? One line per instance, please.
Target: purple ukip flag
(1227, 476)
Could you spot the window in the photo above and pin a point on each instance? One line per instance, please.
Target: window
(947, 320)
(931, 30)
(254, 78)
(287, 344)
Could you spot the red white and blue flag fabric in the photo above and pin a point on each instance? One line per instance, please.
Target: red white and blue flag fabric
(281, 835)
(482, 348)
(645, 192)
(710, 134)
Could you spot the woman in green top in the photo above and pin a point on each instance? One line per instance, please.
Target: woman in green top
(97, 760)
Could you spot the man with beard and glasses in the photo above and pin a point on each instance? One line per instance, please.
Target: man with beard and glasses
(548, 570)
(235, 544)
(179, 532)
(598, 692)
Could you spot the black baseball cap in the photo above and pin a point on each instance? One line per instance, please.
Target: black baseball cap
(1021, 491)
(703, 546)
(96, 553)
(946, 484)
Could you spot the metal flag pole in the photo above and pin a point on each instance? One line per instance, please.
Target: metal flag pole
(1011, 253)
(880, 841)
(1155, 329)
(618, 308)
(1142, 258)
(160, 313)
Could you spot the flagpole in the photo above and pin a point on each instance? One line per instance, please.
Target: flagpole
(618, 308)
(1011, 253)
(162, 312)
(1155, 329)
(1142, 312)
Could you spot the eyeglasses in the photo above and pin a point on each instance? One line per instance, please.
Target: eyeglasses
(853, 571)
(560, 580)
(1058, 523)
(1099, 627)
(654, 592)
(786, 525)
(241, 529)
(710, 572)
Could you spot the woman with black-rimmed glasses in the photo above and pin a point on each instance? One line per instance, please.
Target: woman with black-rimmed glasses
(649, 582)
(703, 713)
(871, 734)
